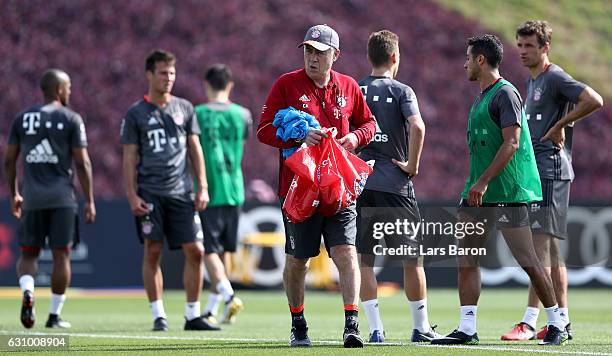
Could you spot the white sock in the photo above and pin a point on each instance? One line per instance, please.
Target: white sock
(420, 319)
(373, 314)
(564, 314)
(554, 318)
(192, 310)
(213, 303)
(26, 282)
(467, 321)
(57, 302)
(531, 317)
(157, 309)
(225, 289)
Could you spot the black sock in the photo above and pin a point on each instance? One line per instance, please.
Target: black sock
(350, 317)
(297, 319)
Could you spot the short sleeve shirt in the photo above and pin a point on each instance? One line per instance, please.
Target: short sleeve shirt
(161, 135)
(391, 103)
(551, 96)
(46, 135)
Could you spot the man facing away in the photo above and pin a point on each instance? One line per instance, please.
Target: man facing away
(334, 100)
(224, 127)
(48, 137)
(158, 133)
(555, 101)
(396, 150)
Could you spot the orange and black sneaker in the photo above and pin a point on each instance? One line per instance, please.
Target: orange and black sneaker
(520, 332)
(554, 336)
(542, 333)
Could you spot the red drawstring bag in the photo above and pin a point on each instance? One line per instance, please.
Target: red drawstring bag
(302, 200)
(344, 180)
(354, 172)
(331, 185)
(327, 179)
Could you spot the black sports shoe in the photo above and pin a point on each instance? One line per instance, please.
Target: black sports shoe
(554, 336)
(568, 330)
(299, 336)
(457, 338)
(160, 324)
(55, 321)
(351, 337)
(418, 336)
(28, 316)
(200, 323)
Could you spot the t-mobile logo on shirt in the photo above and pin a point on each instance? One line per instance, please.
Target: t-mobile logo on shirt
(157, 138)
(31, 121)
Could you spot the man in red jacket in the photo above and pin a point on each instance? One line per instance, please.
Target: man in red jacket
(335, 100)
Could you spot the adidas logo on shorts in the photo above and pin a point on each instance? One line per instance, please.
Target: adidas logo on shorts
(503, 219)
(42, 153)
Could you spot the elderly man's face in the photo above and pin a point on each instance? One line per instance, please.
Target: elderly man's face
(317, 63)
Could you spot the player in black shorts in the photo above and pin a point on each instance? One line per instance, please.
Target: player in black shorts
(157, 133)
(335, 100)
(503, 179)
(48, 137)
(389, 194)
(555, 101)
(225, 126)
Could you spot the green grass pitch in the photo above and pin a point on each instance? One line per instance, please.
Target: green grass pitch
(120, 324)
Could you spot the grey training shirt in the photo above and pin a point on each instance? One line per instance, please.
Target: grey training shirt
(161, 135)
(392, 103)
(551, 96)
(46, 135)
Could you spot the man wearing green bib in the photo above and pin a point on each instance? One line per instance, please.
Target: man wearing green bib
(503, 180)
(224, 126)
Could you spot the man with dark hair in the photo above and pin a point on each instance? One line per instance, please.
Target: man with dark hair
(555, 101)
(224, 126)
(158, 133)
(503, 180)
(396, 149)
(49, 137)
(334, 100)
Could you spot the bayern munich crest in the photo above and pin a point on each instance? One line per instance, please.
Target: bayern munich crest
(537, 94)
(178, 118)
(147, 228)
(315, 33)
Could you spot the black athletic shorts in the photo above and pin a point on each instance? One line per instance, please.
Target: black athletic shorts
(220, 225)
(54, 228)
(303, 240)
(502, 215)
(549, 216)
(172, 217)
(377, 212)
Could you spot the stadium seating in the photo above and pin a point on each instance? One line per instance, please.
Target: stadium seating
(102, 45)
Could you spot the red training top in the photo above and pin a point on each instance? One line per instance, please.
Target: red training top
(340, 104)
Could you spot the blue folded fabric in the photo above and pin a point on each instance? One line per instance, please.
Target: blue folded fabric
(293, 124)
